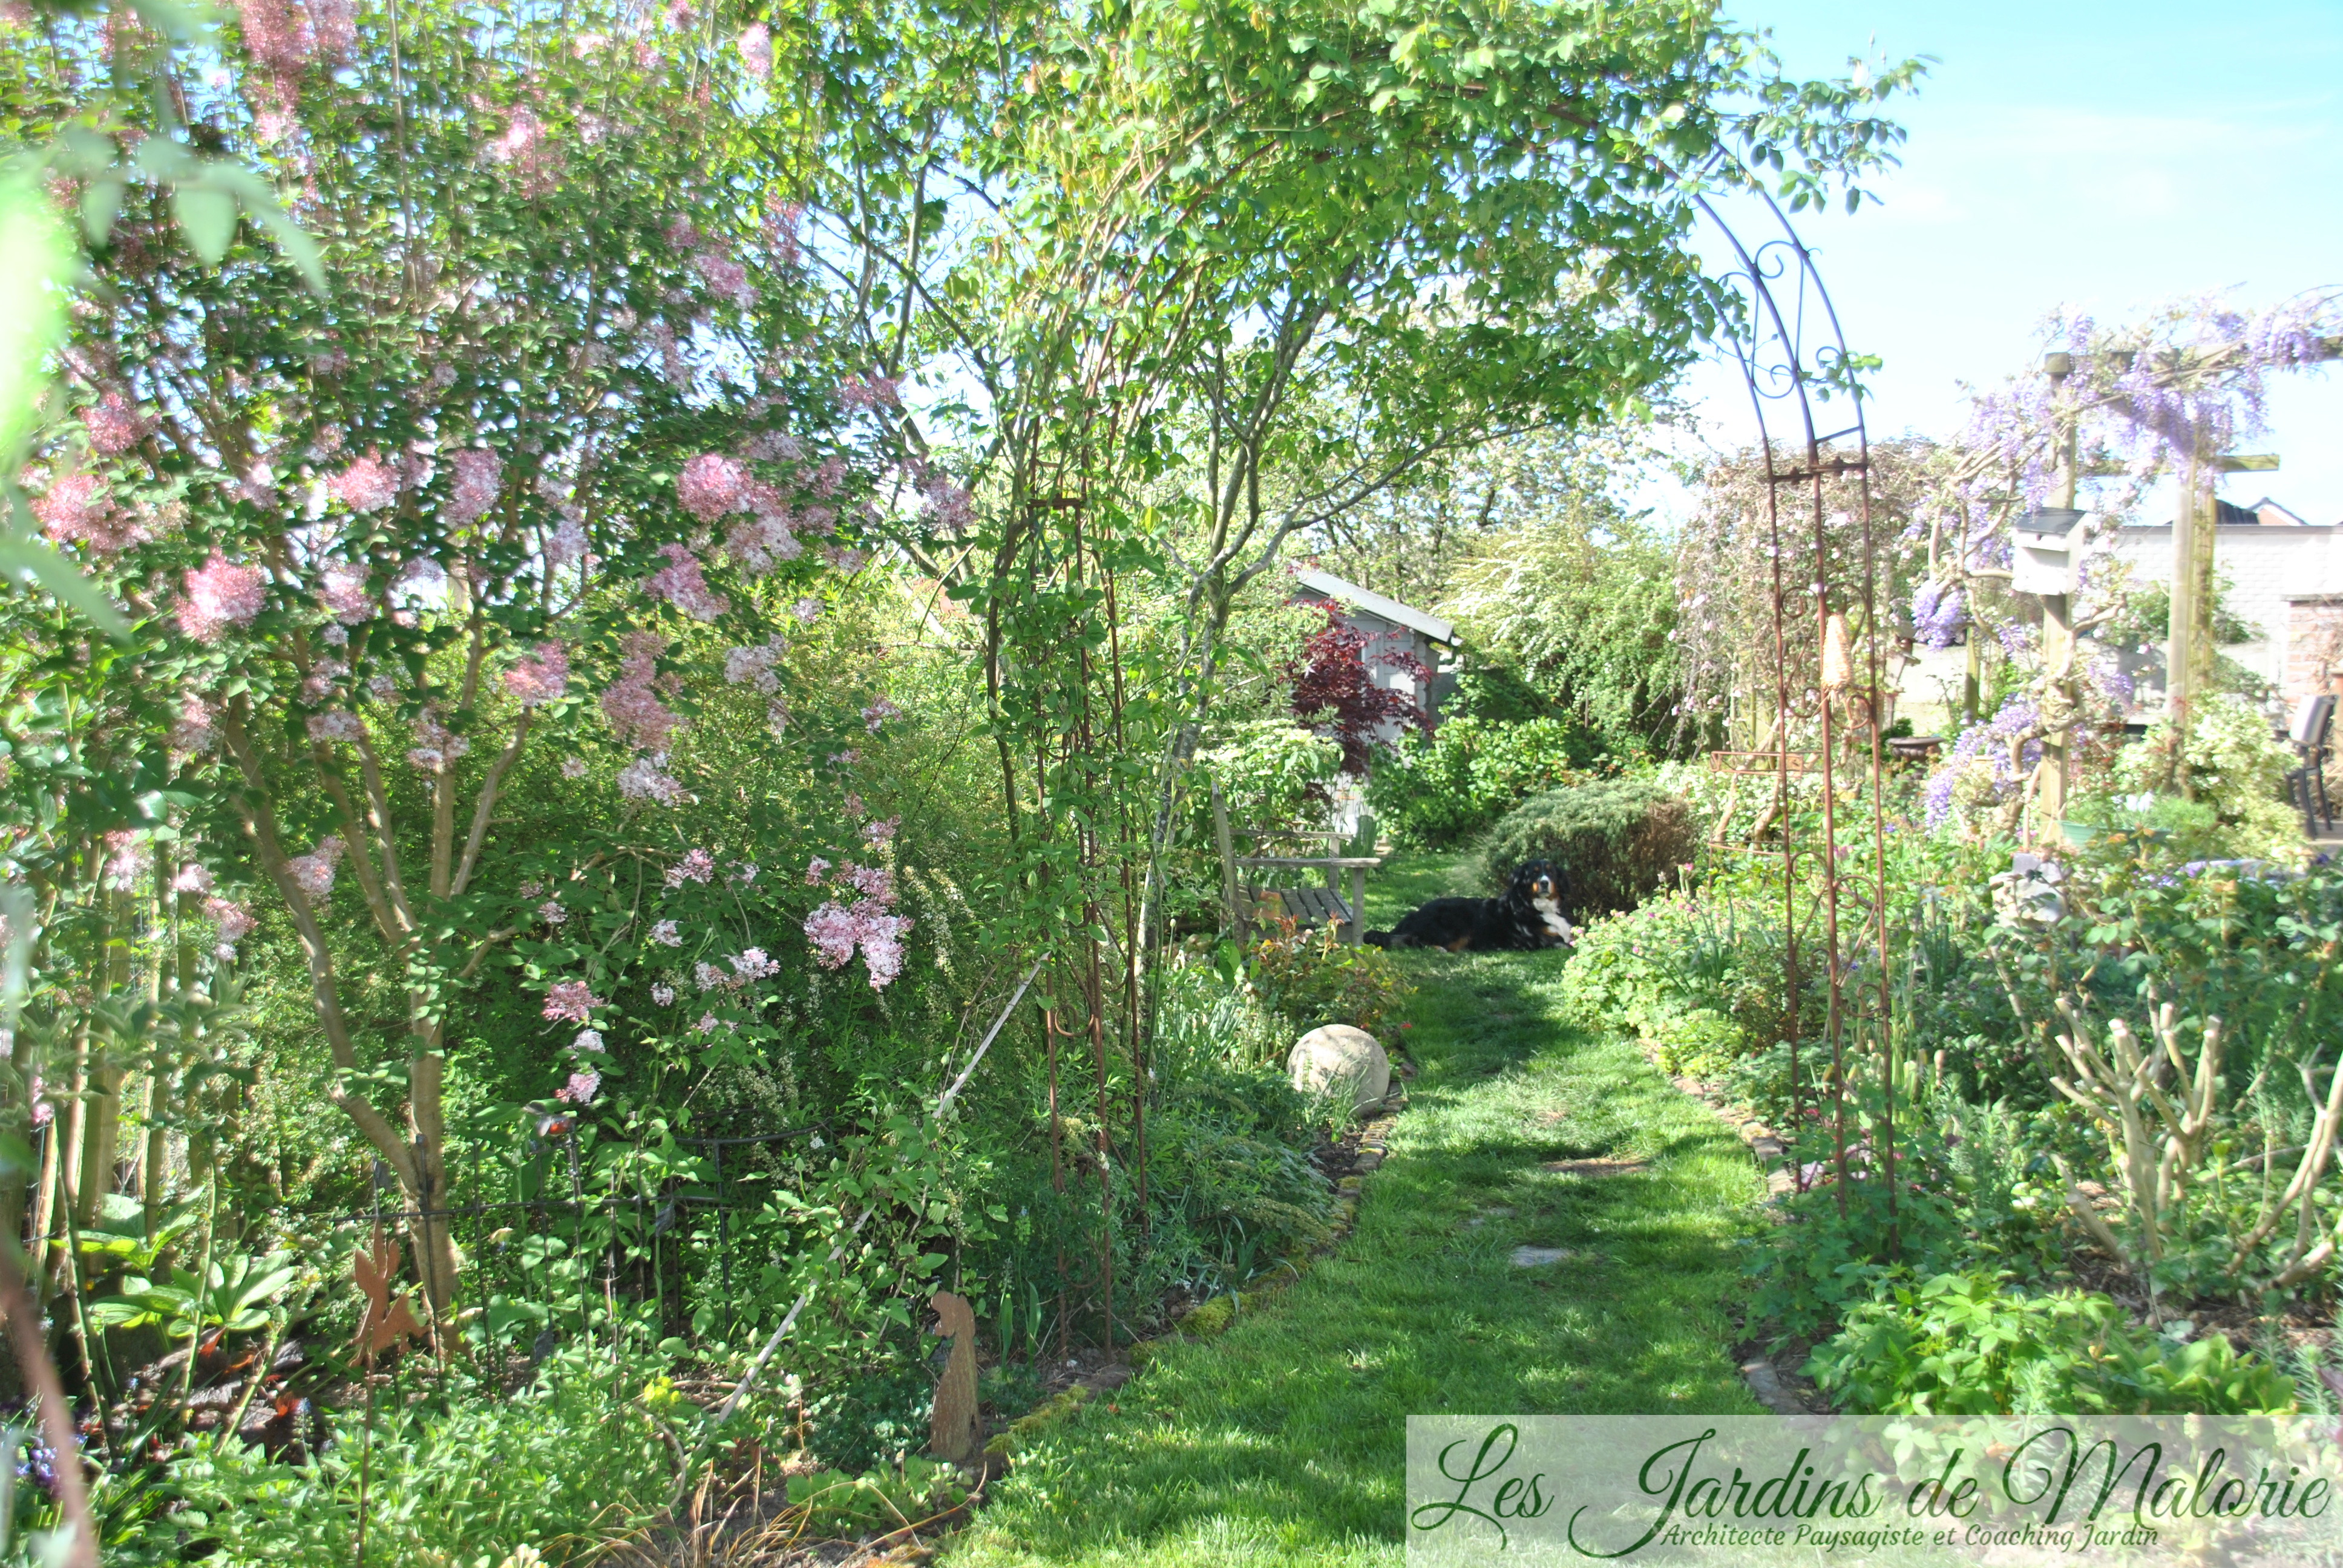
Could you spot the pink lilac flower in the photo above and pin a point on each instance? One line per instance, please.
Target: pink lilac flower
(708, 1024)
(335, 27)
(875, 883)
(846, 759)
(479, 475)
(757, 50)
(76, 509)
(540, 677)
(113, 424)
(854, 810)
(680, 583)
(580, 1089)
(830, 475)
(845, 561)
(382, 689)
(337, 724)
(754, 665)
(710, 977)
(438, 745)
(422, 572)
(568, 543)
(743, 872)
(878, 833)
(666, 935)
(645, 779)
(588, 1040)
(814, 870)
(663, 994)
(219, 595)
(193, 878)
(34, 1090)
(321, 679)
(751, 964)
(781, 230)
(726, 279)
(552, 913)
(232, 920)
(699, 866)
(877, 713)
(573, 768)
(313, 873)
(776, 715)
(276, 33)
(127, 865)
(524, 149)
(683, 234)
(571, 1002)
(873, 391)
(710, 486)
(196, 729)
(774, 447)
(634, 710)
(806, 610)
(367, 485)
(834, 933)
(342, 591)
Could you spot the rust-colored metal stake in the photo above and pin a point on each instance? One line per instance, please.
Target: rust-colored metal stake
(40, 1375)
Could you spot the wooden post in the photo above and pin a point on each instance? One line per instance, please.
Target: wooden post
(1228, 862)
(1355, 932)
(2058, 633)
(2180, 630)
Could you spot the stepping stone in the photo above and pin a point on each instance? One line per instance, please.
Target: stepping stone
(1770, 1391)
(1539, 1257)
(1593, 1167)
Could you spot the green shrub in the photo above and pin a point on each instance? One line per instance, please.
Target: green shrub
(1314, 978)
(2231, 763)
(1965, 1345)
(1617, 840)
(833, 1504)
(1433, 792)
(567, 1465)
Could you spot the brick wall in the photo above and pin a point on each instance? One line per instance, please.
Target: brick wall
(2314, 643)
(2268, 568)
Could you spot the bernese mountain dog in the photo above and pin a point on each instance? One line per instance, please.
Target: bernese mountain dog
(1526, 917)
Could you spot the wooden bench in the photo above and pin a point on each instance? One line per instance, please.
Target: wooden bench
(1308, 906)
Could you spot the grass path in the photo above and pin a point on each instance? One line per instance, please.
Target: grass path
(1283, 1440)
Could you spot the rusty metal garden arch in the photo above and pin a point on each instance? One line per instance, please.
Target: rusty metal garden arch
(1784, 335)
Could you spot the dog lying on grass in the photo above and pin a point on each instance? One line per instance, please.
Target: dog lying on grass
(1526, 917)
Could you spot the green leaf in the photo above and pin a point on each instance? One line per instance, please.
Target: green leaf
(206, 216)
(24, 554)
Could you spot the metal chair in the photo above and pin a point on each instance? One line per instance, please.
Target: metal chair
(2314, 718)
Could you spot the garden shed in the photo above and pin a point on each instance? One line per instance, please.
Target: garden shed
(1392, 631)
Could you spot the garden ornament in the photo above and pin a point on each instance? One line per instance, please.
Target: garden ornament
(2027, 893)
(951, 1426)
(385, 1323)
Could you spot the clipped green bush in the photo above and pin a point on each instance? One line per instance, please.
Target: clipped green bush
(1617, 840)
(1437, 790)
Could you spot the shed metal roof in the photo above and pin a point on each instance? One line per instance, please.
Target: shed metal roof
(1373, 603)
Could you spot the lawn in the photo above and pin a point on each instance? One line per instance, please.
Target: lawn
(1284, 1439)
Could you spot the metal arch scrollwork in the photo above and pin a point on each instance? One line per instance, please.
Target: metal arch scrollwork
(1784, 335)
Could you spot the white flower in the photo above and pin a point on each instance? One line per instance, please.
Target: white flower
(588, 1040)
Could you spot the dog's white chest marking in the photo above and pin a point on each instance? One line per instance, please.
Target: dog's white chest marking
(1550, 911)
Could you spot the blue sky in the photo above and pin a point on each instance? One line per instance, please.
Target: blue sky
(2085, 152)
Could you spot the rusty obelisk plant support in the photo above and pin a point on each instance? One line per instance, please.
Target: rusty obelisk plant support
(1785, 338)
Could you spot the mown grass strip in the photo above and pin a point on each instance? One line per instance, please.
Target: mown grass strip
(1283, 1440)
